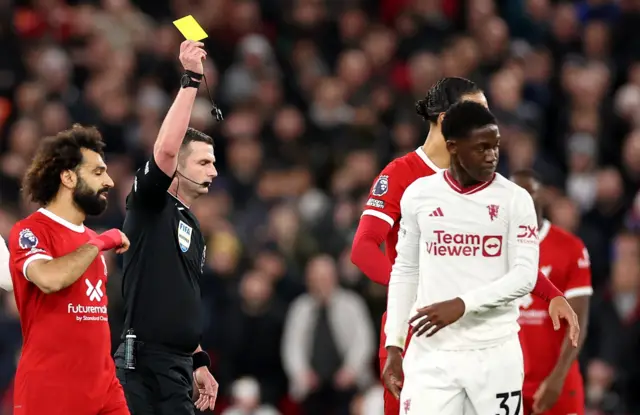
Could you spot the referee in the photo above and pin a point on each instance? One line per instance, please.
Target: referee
(160, 361)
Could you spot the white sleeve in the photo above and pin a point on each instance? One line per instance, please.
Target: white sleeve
(403, 283)
(522, 255)
(5, 276)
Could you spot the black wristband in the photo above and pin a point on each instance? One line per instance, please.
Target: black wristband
(200, 359)
(194, 75)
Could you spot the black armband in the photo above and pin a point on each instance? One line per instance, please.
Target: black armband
(200, 359)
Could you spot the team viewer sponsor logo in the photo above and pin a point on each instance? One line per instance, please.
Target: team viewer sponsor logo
(464, 244)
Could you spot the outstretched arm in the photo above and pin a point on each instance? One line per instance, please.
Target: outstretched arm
(175, 124)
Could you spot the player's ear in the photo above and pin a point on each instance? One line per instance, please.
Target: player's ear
(452, 146)
(69, 179)
(440, 118)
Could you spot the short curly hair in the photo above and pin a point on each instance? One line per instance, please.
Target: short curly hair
(464, 117)
(55, 155)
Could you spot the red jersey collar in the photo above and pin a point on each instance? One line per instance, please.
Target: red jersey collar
(455, 185)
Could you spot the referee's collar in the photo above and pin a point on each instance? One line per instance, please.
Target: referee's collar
(184, 205)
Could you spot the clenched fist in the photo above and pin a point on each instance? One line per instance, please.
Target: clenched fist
(192, 55)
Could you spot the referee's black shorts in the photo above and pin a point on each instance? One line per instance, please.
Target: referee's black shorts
(161, 384)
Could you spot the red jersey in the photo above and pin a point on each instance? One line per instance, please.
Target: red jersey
(65, 334)
(387, 190)
(384, 200)
(565, 261)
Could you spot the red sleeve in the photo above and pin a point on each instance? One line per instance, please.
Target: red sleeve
(366, 253)
(545, 288)
(381, 212)
(27, 242)
(579, 273)
(385, 194)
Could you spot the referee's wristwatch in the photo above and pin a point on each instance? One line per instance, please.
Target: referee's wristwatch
(190, 79)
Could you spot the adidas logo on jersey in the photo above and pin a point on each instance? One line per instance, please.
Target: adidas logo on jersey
(437, 212)
(94, 293)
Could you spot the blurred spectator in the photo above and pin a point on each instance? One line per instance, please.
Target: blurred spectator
(246, 399)
(253, 328)
(327, 344)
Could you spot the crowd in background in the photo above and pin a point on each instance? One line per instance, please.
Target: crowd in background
(318, 96)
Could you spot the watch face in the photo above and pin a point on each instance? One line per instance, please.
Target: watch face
(184, 81)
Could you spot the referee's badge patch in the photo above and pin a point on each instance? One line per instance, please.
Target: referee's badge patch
(184, 236)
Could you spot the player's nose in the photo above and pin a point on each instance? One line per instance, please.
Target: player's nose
(108, 181)
(213, 173)
(491, 156)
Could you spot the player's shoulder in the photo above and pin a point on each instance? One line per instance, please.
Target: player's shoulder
(499, 181)
(410, 166)
(509, 189)
(27, 232)
(564, 238)
(35, 222)
(425, 185)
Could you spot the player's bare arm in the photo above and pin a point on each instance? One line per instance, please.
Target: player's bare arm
(205, 391)
(551, 388)
(392, 373)
(559, 308)
(52, 275)
(174, 126)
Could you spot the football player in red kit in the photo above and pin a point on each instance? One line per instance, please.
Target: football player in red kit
(553, 383)
(381, 217)
(59, 279)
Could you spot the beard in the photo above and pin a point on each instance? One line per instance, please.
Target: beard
(89, 200)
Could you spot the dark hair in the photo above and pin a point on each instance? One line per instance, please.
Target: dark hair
(55, 155)
(527, 174)
(464, 117)
(441, 96)
(193, 135)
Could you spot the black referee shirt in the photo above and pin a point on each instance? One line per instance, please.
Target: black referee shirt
(163, 266)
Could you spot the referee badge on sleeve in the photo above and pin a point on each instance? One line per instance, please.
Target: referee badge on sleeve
(184, 236)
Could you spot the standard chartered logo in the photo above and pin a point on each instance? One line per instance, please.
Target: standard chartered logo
(94, 293)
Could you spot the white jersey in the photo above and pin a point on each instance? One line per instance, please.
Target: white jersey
(5, 277)
(479, 244)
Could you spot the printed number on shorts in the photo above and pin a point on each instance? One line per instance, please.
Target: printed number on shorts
(504, 397)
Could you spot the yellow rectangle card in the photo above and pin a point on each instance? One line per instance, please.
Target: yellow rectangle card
(190, 28)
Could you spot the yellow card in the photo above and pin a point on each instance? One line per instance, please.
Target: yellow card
(190, 29)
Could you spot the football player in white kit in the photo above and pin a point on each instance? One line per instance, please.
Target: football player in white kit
(467, 248)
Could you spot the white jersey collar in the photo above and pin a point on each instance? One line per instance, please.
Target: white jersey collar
(544, 230)
(427, 160)
(61, 221)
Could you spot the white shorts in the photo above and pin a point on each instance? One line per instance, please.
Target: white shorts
(470, 382)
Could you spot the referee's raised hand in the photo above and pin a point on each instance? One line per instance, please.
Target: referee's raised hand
(192, 55)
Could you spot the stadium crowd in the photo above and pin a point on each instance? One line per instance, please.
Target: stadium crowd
(318, 96)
